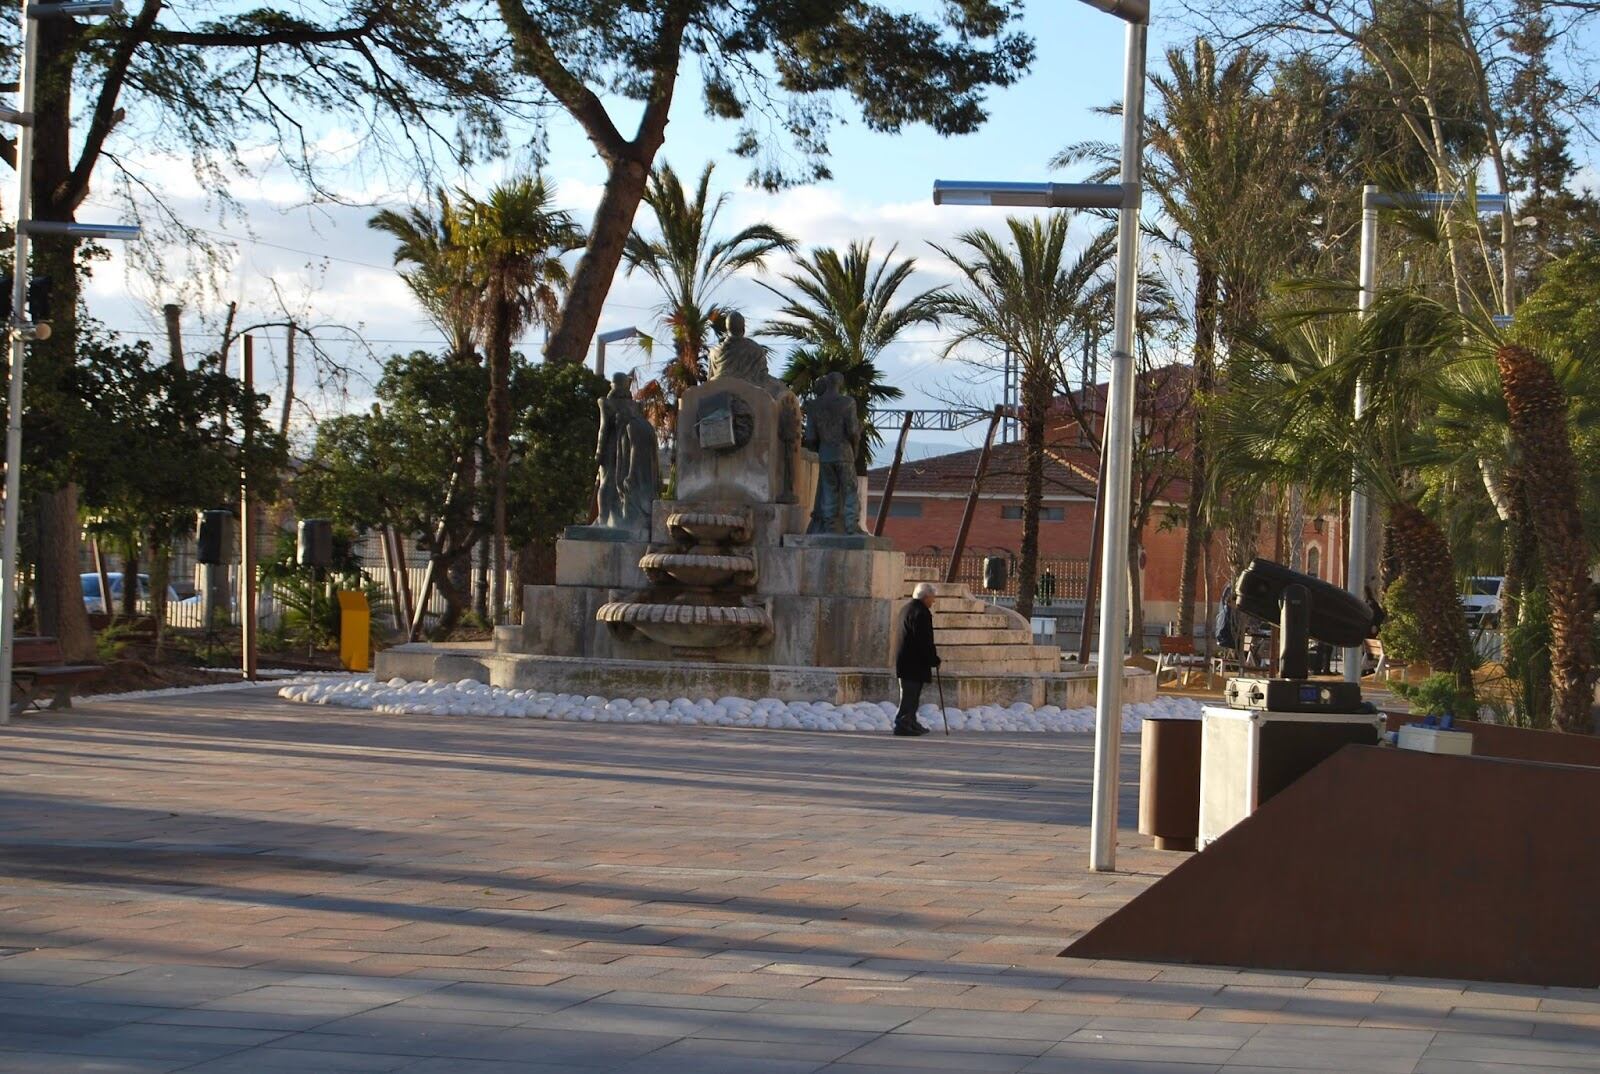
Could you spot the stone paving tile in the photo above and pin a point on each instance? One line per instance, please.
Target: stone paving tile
(323, 890)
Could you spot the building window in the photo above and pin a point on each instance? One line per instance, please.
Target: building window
(897, 508)
(1046, 514)
(1314, 561)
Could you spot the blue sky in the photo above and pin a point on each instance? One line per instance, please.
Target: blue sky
(328, 266)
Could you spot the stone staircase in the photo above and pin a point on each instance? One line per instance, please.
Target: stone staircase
(978, 638)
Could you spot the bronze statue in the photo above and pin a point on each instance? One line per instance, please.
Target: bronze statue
(742, 358)
(833, 430)
(630, 469)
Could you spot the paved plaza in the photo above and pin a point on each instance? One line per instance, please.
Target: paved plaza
(228, 883)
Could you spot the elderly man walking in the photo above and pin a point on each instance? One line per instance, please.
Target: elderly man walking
(916, 659)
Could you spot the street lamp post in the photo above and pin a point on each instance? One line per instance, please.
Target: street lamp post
(1123, 196)
(1372, 201)
(23, 330)
(614, 336)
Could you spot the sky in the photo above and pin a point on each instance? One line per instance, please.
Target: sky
(335, 272)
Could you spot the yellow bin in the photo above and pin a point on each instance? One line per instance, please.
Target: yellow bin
(355, 630)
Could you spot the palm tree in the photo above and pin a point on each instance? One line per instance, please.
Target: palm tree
(513, 239)
(688, 263)
(841, 311)
(1285, 417)
(1548, 475)
(1025, 295)
(1220, 167)
(431, 240)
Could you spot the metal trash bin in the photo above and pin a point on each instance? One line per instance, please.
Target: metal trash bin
(1169, 781)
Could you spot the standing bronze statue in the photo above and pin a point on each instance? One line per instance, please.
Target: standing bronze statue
(630, 469)
(833, 431)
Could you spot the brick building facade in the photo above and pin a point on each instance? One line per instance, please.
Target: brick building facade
(931, 494)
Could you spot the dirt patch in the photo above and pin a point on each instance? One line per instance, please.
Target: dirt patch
(129, 675)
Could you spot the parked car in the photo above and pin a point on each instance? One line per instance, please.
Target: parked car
(1482, 602)
(91, 590)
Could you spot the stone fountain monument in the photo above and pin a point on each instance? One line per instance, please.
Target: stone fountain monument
(755, 581)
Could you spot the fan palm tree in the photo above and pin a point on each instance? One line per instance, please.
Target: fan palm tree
(429, 238)
(1220, 167)
(513, 239)
(688, 263)
(1026, 293)
(841, 311)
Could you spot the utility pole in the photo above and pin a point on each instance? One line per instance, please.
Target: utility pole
(23, 329)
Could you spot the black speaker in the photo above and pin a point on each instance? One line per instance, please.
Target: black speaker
(314, 546)
(212, 537)
(994, 573)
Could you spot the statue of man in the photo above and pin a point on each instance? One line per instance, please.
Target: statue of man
(833, 430)
(742, 358)
(642, 481)
(611, 450)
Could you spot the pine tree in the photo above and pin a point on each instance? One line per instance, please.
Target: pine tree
(1552, 217)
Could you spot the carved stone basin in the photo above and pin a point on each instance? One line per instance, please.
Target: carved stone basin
(705, 527)
(690, 626)
(699, 569)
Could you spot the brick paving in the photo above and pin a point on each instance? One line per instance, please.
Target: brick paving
(230, 884)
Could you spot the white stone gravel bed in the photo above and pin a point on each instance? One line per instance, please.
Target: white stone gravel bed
(469, 698)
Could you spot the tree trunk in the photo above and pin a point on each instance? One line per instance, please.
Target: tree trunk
(591, 280)
(1538, 410)
(173, 314)
(60, 593)
(130, 579)
(499, 439)
(1425, 561)
(288, 382)
(160, 578)
(1205, 359)
(1036, 403)
(1135, 590)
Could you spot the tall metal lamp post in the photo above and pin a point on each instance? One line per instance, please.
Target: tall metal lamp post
(22, 327)
(1373, 200)
(616, 335)
(1123, 196)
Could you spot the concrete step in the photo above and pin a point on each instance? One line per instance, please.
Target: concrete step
(984, 620)
(986, 634)
(981, 653)
(1019, 666)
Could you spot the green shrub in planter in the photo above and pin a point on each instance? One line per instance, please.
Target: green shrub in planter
(1401, 634)
(1437, 695)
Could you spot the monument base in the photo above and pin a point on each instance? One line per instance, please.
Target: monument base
(657, 679)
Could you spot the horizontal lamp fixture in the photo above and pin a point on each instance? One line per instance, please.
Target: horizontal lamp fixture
(75, 9)
(1030, 195)
(1425, 199)
(81, 231)
(1137, 11)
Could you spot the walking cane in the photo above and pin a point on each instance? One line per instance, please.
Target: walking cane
(942, 714)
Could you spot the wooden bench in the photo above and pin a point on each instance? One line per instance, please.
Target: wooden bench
(39, 670)
(1176, 653)
(1380, 672)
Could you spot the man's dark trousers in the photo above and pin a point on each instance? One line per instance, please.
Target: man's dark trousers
(910, 699)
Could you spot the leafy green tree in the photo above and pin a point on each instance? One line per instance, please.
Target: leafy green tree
(843, 312)
(399, 465)
(688, 263)
(148, 444)
(764, 65)
(1025, 293)
(155, 84)
(513, 240)
(394, 465)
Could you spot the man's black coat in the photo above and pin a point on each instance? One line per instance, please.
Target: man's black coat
(917, 656)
